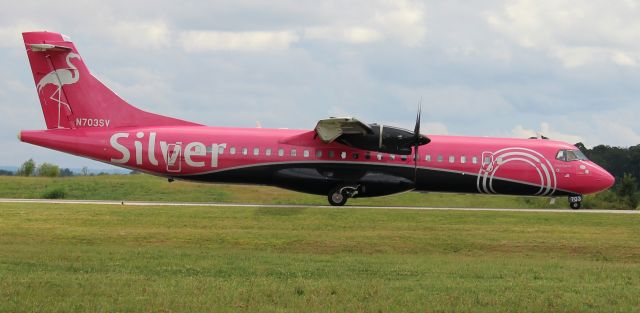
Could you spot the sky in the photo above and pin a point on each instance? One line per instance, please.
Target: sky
(569, 70)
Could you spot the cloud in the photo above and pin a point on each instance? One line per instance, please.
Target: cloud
(434, 128)
(544, 130)
(577, 33)
(248, 41)
(393, 21)
(612, 132)
(455, 102)
(403, 20)
(482, 68)
(11, 35)
(354, 34)
(400, 21)
(143, 34)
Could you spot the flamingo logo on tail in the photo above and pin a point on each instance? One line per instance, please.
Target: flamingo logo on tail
(59, 78)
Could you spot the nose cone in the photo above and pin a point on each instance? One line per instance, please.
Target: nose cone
(602, 179)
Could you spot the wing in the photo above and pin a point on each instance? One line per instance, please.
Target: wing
(332, 128)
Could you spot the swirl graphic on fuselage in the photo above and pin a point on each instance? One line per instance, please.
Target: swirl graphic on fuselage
(492, 161)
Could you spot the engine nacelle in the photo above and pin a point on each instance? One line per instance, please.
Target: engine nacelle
(387, 139)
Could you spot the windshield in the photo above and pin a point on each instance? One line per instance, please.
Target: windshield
(570, 155)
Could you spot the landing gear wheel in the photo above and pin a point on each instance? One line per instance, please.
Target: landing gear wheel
(575, 202)
(575, 205)
(336, 197)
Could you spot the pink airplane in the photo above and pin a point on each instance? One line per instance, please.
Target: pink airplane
(341, 158)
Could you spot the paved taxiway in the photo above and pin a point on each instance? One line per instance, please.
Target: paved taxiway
(148, 203)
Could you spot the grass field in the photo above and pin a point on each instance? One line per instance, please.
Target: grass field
(83, 258)
(150, 188)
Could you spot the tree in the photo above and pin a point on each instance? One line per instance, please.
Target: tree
(48, 170)
(85, 171)
(582, 148)
(27, 168)
(6, 173)
(628, 190)
(65, 172)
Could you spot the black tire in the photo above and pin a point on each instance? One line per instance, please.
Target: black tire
(575, 205)
(337, 198)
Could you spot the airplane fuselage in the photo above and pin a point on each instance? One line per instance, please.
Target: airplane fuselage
(298, 160)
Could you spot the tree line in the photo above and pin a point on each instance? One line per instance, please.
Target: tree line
(624, 165)
(615, 160)
(30, 168)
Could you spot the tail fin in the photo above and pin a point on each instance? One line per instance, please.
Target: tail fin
(73, 98)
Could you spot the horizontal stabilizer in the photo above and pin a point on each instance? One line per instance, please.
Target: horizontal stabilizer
(39, 47)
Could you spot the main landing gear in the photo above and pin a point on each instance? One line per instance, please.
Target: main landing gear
(339, 195)
(575, 202)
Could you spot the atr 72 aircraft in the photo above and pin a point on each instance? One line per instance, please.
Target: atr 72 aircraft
(341, 158)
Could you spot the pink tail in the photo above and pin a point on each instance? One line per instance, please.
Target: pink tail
(73, 98)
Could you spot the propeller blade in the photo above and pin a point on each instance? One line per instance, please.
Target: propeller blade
(416, 129)
(416, 142)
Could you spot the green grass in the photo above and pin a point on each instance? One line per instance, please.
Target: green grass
(150, 188)
(84, 258)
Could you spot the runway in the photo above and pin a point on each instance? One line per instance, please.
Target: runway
(347, 207)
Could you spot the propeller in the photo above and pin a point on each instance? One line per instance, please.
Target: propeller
(418, 140)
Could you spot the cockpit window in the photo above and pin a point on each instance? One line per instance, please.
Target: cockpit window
(570, 155)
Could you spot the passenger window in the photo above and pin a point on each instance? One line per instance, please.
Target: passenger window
(403, 157)
(367, 155)
(318, 154)
(294, 152)
(232, 150)
(245, 151)
(392, 156)
(343, 155)
(221, 149)
(452, 159)
(331, 154)
(256, 151)
(487, 160)
(280, 152)
(427, 158)
(439, 157)
(305, 153)
(474, 160)
(355, 156)
(463, 159)
(379, 156)
(267, 152)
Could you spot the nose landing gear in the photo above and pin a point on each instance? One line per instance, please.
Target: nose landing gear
(575, 202)
(338, 196)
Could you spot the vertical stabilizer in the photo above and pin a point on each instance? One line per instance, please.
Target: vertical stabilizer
(73, 98)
